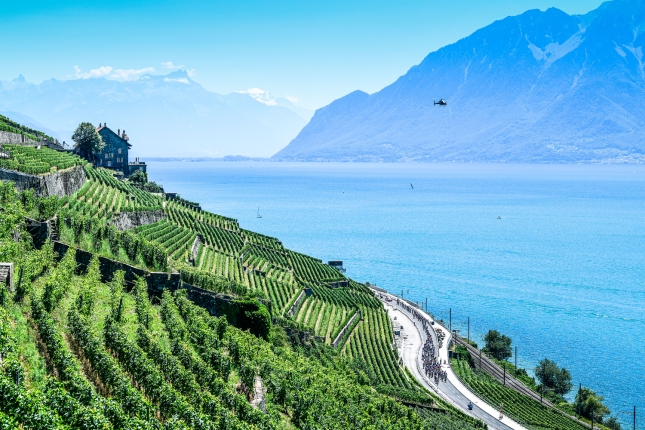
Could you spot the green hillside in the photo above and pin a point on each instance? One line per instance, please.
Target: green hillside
(78, 352)
(13, 127)
(28, 159)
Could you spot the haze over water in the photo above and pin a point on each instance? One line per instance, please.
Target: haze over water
(562, 272)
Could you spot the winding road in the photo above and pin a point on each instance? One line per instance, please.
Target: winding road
(453, 391)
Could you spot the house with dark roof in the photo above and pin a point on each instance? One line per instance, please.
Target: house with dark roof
(115, 153)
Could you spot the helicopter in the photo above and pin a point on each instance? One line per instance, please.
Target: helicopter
(441, 102)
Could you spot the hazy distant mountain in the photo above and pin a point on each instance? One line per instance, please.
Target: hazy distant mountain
(538, 87)
(164, 116)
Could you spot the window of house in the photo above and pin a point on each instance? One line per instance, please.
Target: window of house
(109, 164)
(119, 150)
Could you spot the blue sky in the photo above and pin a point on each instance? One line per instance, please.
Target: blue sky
(311, 51)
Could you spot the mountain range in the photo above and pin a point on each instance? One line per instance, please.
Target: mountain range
(164, 115)
(540, 87)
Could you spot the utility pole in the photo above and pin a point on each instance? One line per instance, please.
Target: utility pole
(426, 304)
(592, 418)
(634, 417)
(469, 330)
(450, 320)
(516, 360)
(580, 399)
(504, 373)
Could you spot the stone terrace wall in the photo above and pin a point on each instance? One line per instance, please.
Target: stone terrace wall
(215, 303)
(343, 332)
(13, 138)
(63, 183)
(128, 220)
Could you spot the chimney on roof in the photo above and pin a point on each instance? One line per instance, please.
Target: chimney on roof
(118, 133)
(105, 124)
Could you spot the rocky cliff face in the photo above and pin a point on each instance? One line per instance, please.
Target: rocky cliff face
(538, 87)
(63, 183)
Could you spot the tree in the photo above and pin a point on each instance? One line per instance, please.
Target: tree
(612, 423)
(89, 141)
(499, 345)
(588, 402)
(553, 377)
(139, 177)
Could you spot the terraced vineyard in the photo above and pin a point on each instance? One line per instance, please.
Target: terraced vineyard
(29, 159)
(104, 195)
(372, 341)
(79, 353)
(116, 360)
(517, 406)
(187, 216)
(263, 266)
(210, 260)
(311, 269)
(176, 241)
(7, 124)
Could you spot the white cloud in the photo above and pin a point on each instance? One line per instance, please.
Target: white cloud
(181, 80)
(130, 74)
(292, 99)
(260, 95)
(94, 73)
(170, 65)
(191, 72)
(110, 73)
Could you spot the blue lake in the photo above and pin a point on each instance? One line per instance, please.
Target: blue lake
(562, 272)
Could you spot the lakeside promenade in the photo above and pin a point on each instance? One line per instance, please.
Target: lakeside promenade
(452, 389)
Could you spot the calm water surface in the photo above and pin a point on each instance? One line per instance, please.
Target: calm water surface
(562, 272)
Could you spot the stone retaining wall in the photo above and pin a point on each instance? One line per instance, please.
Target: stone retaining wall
(6, 275)
(40, 231)
(129, 220)
(194, 250)
(63, 183)
(215, 303)
(296, 305)
(342, 333)
(14, 138)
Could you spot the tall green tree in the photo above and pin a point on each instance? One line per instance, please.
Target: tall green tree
(89, 141)
(499, 345)
(553, 377)
(139, 177)
(588, 402)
